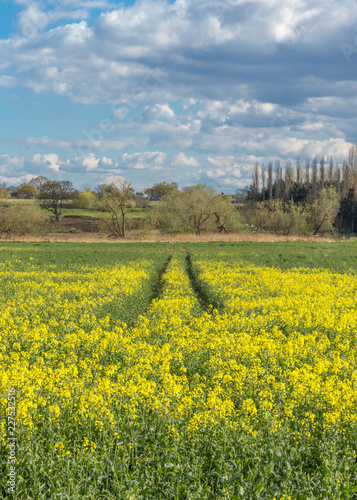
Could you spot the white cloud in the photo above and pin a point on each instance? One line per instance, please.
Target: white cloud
(158, 111)
(230, 171)
(92, 141)
(225, 79)
(32, 19)
(152, 160)
(113, 179)
(182, 161)
(7, 81)
(49, 161)
(125, 43)
(35, 18)
(91, 164)
(10, 165)
(53, 166)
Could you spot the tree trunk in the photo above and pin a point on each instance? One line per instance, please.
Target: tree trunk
(123, 222)
(320, 225)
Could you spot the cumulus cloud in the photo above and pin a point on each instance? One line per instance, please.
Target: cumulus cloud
(54, 167)
(230, 171)
(158, 111)
(10, 165)
(181, 160)
(230, 81)
(35, 17)
(49, 162)
(188, 39)
(151, 160)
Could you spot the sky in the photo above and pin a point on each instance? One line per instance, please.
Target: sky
(186, 91)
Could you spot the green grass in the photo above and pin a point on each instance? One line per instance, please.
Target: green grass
(101, 215)
(337, 256)
(134, 213)
(82, 212)
(67, 256)
(7, 201)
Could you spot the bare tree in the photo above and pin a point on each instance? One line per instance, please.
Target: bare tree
(278, 180)
(38, 181)
(263, 181)
(307, 172)
(298, 171)
(270, 180)
(314, 179)
(116, 199)
(195, 206)
(346, 178)
(255, 182)
(54, 196)
(352, 157)
(330, 172)
(338, 179)
(322, 173)
(288, 179)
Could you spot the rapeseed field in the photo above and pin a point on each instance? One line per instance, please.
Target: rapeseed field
(223, 379)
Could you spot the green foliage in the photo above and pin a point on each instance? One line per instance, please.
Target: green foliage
(226, 218)
(27, 191)
(280, 217)
(289, 218)
(139, 227)
(324, 211)
(197, 209)
(4, 195)
(86, 199)
(161, 189)
(169, 221)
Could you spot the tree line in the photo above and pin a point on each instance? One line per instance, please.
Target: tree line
(317, 197)
(193, 209)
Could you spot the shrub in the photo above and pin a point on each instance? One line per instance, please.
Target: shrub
(22, 219)
(86, 199)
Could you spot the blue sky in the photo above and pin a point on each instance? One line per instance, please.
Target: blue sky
(186, 91)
